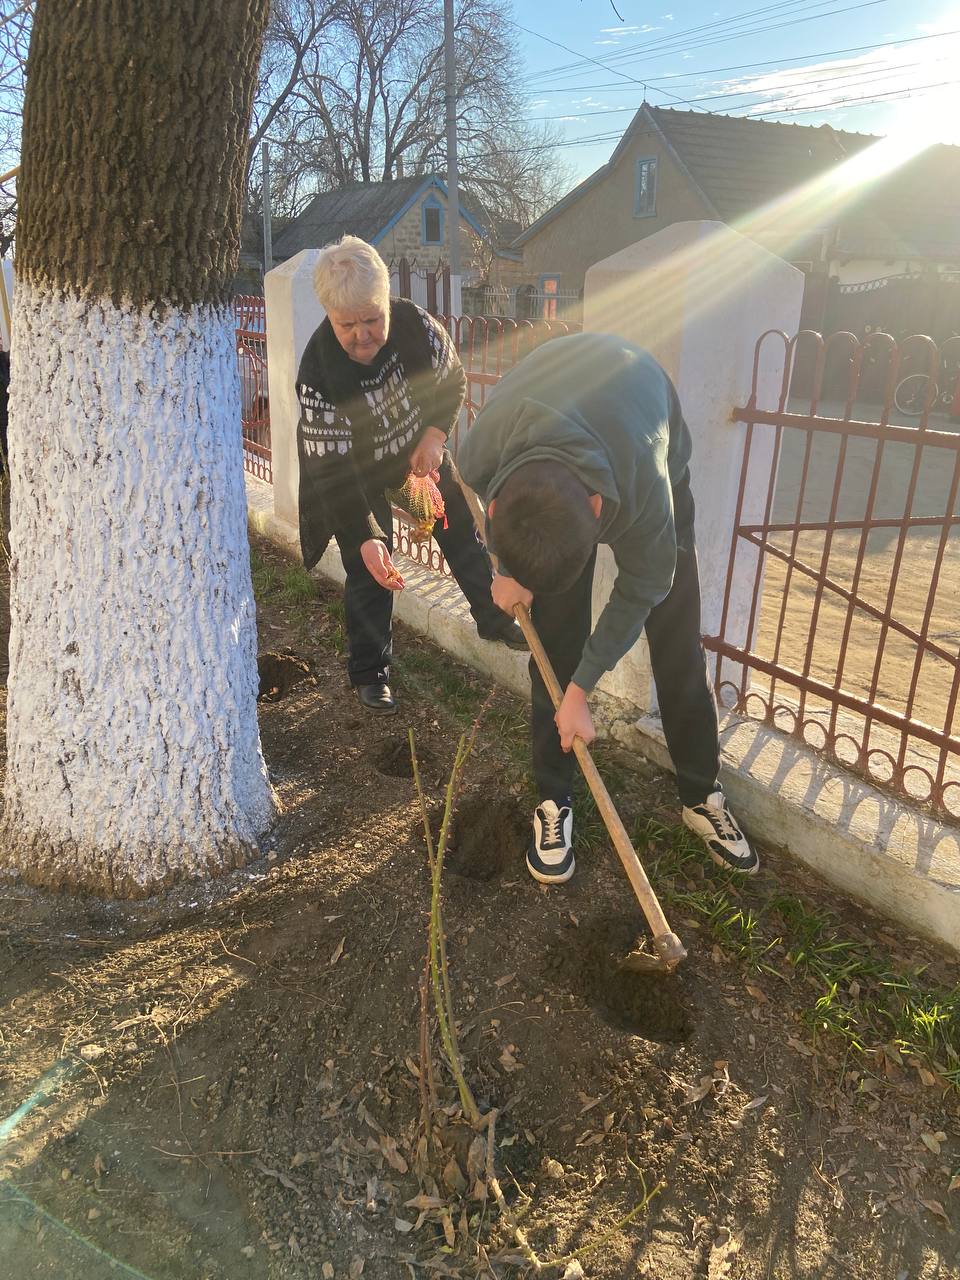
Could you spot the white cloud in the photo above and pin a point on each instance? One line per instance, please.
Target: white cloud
(618, 33)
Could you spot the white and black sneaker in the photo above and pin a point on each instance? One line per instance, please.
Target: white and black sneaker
(550, 857)
(716, 826)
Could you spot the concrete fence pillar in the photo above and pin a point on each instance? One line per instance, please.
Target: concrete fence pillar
(293, 313)
(698, 296)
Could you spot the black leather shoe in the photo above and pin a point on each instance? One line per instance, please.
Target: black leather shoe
(507, 632)
(376, 697)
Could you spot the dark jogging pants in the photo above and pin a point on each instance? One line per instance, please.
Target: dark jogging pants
(687, 705)
(369, 607)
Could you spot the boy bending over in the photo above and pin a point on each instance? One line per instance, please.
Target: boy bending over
(584, 443)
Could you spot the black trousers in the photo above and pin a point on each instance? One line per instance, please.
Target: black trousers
(687, 706)
(369, 607)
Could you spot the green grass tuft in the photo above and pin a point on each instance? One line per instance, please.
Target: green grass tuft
(264, 575)
(297, 587)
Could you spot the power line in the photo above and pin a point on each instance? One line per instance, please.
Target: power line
(680, 41)
(841, 75)
(839, 104)
(890, 96)
(666, 92)
(850, 75)
(627, 51)
(749, 66)
(623, 74)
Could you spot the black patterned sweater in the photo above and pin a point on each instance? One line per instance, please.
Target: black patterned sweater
(360, 422)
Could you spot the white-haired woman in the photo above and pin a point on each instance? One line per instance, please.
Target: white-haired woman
(380, 387)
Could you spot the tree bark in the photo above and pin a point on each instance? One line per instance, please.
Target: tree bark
(133, 749)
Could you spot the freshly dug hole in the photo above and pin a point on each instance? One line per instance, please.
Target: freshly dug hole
(392, 758)
(587, 960)
(489, 835)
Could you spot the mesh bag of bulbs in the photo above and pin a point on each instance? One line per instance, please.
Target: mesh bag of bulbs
(422, 500)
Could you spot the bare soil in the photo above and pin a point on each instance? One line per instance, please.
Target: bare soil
(225, 1083)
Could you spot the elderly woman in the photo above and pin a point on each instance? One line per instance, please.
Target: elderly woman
(380, 387)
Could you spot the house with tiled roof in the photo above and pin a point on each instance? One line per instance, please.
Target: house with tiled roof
(811, 194)
(406, 218)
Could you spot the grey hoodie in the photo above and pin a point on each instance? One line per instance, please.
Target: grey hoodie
(605, 409)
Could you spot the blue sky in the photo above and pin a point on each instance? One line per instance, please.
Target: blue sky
(791, 60)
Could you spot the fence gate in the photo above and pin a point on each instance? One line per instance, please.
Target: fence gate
(844, 564)
(251, 337)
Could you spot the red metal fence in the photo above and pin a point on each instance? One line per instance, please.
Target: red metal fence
(840, 621)
(251, 334)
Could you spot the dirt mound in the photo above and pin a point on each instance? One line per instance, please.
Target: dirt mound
(488, 835)
(587, 961)
(279, 672)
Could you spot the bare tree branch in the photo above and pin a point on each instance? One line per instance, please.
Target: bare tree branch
(354, 92)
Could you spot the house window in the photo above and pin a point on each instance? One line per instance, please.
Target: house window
(550, 293)
(432, 222)
(645, 195)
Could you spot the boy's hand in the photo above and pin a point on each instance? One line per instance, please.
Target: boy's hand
(507, 593)
(574, 720)
(428, 452)
(381, 568)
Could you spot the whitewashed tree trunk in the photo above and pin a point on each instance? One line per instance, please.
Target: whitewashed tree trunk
(133, 750)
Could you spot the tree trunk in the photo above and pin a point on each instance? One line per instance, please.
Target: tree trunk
(133, 750)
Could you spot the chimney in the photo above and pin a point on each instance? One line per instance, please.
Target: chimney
(399, 166)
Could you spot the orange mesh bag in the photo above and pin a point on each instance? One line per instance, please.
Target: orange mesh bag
(423, 502)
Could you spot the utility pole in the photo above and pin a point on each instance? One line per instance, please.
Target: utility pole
(267, 224)
(453, 185)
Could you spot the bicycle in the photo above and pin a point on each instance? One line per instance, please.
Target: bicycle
(913, 392)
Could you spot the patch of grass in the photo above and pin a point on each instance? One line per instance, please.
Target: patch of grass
(669, 853)
(928, 1023)
(859, 1001)
(833, 1015)
(736, 929)
(297, 587)
(427, 678)
(266, 576)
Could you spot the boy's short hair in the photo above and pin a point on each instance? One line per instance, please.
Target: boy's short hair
(543, 527)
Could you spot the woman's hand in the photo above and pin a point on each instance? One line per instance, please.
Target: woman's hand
(428, 452)
(573, 720)
(507, 593)
(381, 568)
